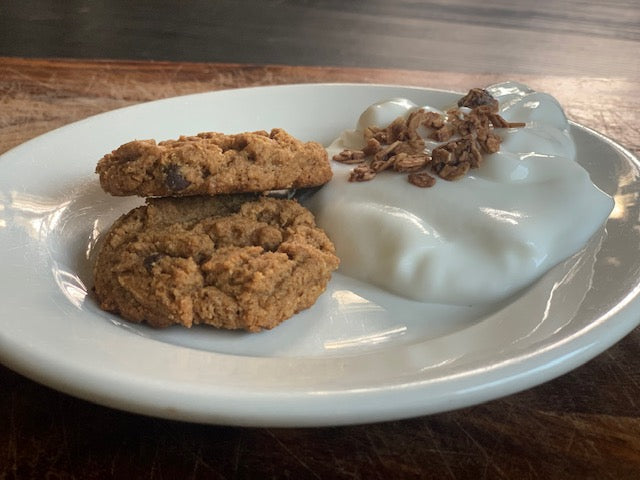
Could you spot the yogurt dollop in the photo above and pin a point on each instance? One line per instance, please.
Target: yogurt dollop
(477, 239)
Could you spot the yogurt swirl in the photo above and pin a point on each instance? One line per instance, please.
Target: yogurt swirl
(477, 239)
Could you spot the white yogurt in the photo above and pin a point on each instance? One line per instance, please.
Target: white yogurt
(477, 239)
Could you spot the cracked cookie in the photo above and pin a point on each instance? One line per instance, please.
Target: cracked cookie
(214, 163)
(232, 261)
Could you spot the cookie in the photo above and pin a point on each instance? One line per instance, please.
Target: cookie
(214, 163)
(231, 261)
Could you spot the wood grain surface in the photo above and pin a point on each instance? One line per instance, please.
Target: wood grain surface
(567, 37)
(585, 424)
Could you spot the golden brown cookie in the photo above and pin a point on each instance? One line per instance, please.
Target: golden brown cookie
(232, 261)
(214, 163)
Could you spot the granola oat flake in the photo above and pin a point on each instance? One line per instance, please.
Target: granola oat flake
(468, 130)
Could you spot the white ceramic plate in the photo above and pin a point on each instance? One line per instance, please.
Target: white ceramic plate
(358, 355)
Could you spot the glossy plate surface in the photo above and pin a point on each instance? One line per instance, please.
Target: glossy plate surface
(358, 355)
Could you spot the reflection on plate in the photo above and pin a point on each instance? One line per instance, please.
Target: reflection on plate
(358, 355)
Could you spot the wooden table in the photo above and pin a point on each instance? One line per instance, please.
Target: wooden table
(585, 424)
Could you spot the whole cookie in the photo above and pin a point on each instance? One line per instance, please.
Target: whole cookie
(232, 261)
(214, 163)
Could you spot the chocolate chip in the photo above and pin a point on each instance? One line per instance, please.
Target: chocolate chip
(174, 179)
(150, 260)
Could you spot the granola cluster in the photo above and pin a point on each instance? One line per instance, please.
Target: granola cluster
(466, 133)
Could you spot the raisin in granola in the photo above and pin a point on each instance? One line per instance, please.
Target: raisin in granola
(478, 97)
